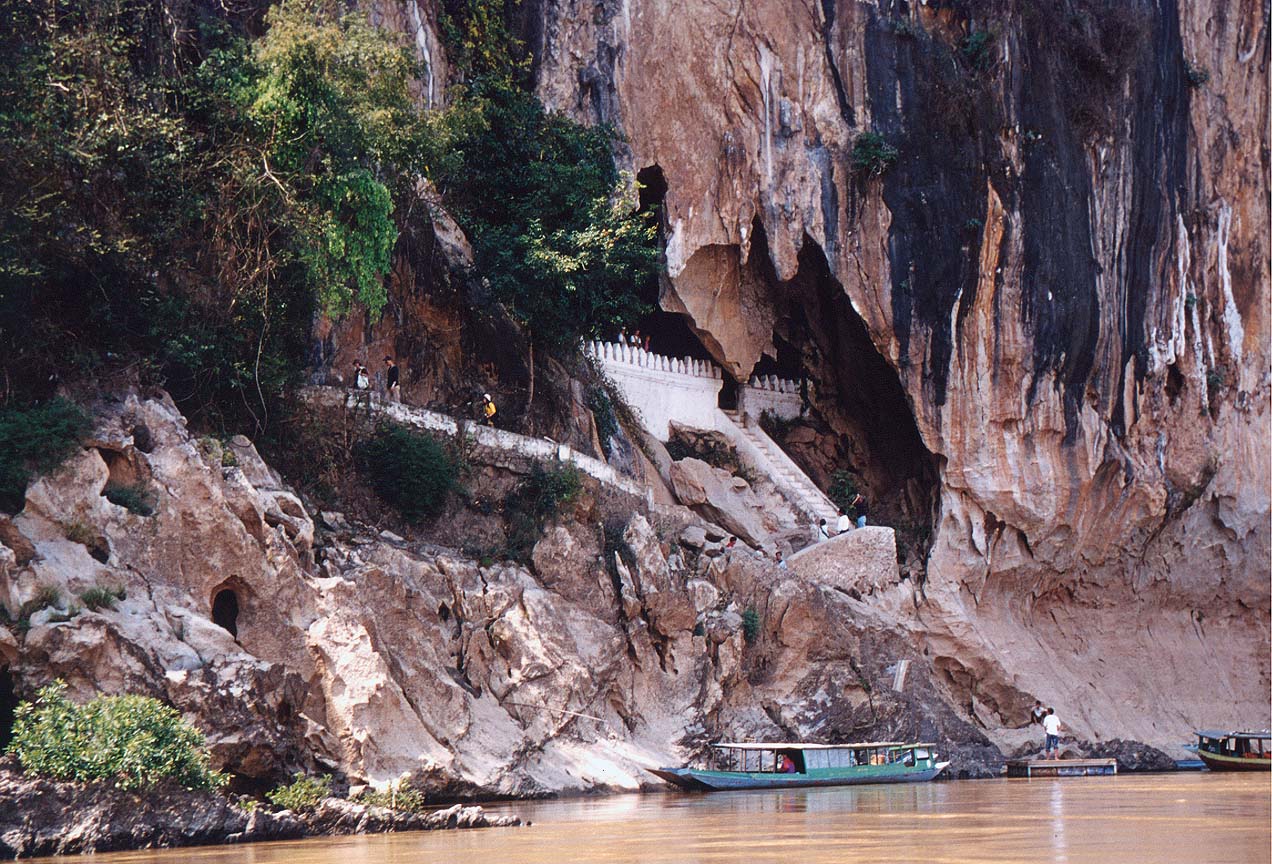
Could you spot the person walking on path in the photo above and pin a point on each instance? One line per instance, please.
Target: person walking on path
(843, 524)
(362, 384)
(823, 533)
(1051, 726)
(392, 380)
(488, 410)
(859, 504)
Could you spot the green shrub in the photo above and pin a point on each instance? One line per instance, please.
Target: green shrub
(406, 800)
(137, 498)
(303, 794)
(546, 210)
(79, 532)
(750, 625)
(411, 471)
(872, 154)
(535, 501)
(35, 440)
(98, 597)
(843, 489)
(133, 741)
(977, 49)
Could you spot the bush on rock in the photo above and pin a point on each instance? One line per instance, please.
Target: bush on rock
(134, 741)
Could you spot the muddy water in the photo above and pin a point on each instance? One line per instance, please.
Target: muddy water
(1194, 818)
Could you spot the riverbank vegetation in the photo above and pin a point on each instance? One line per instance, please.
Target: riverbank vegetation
(184, 190)
(131, 741)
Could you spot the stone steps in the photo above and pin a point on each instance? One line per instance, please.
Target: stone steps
(785, 473)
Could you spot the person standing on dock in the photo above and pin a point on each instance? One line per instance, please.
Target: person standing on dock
(1052, 726)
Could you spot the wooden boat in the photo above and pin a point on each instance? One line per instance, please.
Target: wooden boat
(1235, 751)
(759, 766)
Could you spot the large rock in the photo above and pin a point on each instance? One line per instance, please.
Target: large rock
(711, 493)
(860, 562)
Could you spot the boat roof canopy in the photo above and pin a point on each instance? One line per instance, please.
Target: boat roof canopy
(781, 745)
(1217, 733)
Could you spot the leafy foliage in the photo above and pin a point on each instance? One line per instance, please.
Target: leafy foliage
(411, 471)
(98, 597)
(405, 800)
(535, 501)
(872, 154)
(977, 49)
(137, 498)
(303, 794)
(750, 625)
(537, 193)
(180, 193)
(134, 741)
(843, 489)
(34, 440)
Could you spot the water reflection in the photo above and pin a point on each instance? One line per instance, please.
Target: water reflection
(1135, 820)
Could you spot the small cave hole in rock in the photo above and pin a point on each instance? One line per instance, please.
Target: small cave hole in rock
(1174, 383)
(443, 612)
(225, 610)
(8, 704)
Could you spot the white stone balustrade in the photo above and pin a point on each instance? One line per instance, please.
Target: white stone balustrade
(662, 389)
(634, 355)
(768, 393)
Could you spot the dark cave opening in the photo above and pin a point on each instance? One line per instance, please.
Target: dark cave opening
(225, 610)
(8, 704)
(862, 415)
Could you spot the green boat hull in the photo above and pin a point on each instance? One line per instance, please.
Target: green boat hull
(695, 780)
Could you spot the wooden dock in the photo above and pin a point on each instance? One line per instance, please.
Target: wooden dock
(1060, 767)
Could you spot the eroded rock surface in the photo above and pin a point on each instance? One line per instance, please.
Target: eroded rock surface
(354, 651)
(1042, 332)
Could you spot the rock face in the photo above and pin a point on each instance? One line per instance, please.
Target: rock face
(350, 650)
(1041, 331)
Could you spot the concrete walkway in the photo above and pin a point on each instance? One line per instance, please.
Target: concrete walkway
(485, 437)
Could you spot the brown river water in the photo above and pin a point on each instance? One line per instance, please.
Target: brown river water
(1189, 817)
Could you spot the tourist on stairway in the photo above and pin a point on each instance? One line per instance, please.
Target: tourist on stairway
(843, 524)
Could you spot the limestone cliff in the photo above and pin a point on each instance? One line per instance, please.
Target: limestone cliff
(328, 646)
(1042, 330)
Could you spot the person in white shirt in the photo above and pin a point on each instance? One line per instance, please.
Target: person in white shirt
(843, 524)
(823, 533)
(1052, 726)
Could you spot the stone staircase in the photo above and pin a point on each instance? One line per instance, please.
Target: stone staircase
(757, 447)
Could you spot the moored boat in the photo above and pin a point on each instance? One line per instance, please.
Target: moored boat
(748, 765)
(1235, 751)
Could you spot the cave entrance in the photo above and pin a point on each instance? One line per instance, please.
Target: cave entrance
(8, 704)
(225, 610)
(860, 421)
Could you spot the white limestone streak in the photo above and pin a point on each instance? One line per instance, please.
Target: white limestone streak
(766, 78)
(1231, 317)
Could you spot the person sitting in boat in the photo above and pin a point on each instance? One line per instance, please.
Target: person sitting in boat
(787, 765)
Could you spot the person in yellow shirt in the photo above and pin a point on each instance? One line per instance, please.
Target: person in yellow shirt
(488, 409)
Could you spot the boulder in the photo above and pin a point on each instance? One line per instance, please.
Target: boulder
(859, 562)
(711, 493)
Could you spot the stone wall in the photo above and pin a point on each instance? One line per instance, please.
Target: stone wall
(662, 389)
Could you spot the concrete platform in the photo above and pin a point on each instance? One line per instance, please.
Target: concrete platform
(1060, 767)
